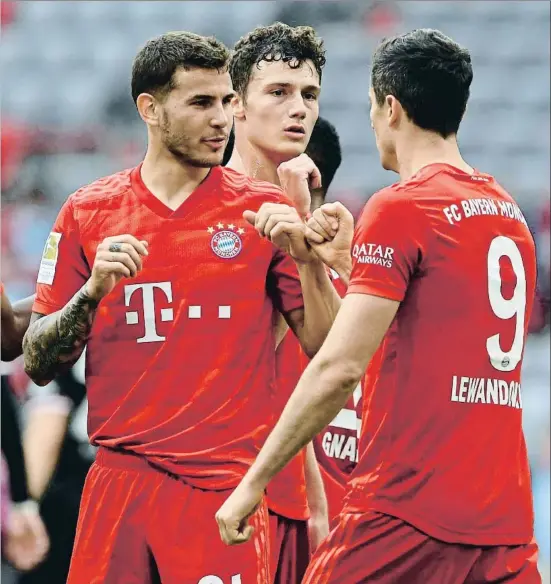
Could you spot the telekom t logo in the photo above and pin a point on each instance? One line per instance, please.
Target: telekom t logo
(133, 317)
(167, 314)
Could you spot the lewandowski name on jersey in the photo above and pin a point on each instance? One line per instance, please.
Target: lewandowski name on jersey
(480, 390)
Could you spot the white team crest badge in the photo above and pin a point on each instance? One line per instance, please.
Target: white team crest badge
(225, 242)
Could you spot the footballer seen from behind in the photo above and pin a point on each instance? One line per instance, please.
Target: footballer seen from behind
(440, 296)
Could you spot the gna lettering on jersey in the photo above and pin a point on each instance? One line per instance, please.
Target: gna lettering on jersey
(373, 253)
(482, 390)
(341, 446)
(344, 445)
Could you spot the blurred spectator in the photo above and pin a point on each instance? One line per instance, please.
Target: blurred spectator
(15, 142)
(8, 12)
(24, 538)
(381, 18)
(58, 456)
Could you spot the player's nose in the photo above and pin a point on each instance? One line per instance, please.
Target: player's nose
(298, 108)
(221, 117)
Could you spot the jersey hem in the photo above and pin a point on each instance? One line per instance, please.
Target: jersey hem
(284, 511)
(440, 532)
(359, 287)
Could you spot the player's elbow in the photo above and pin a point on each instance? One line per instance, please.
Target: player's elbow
(342, 375)
(33, 366)
(37, 376)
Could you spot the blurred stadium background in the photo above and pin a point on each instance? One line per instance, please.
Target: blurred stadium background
(68, 118)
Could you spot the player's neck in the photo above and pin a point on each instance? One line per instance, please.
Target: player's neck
(422, 149)
(170, 180)
(252, 162)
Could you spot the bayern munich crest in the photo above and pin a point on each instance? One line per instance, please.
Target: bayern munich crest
(226, 243)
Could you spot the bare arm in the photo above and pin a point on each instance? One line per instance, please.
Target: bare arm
(321, 393)
(327, 382)
(282, 225)
(321, 304)
(281, 328)
(344, 270)
(54, 343)
(315, 491)
(318, 524)
(15, 321)
(42, 441)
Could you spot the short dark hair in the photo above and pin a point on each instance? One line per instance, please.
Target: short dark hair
(278, 42)
(324, 148)
(157, 61)
(429, 74)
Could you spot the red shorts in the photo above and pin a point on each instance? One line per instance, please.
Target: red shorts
(289, 549)
(138, 525)
(371, 547)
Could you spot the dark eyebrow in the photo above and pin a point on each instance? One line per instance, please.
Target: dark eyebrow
(312, 88)
(309, 88)
(200, 97)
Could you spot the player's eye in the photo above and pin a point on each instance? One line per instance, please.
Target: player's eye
(277, 92)
(201, 102)
(310, 96)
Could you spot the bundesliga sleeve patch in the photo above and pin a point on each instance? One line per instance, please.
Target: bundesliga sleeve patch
(48, 262)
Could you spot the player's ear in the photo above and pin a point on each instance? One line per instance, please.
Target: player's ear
(394, 110)
(238, 107)
(148, 108)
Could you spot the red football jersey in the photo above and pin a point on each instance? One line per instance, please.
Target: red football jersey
(286, 492)
(442, 445)
(180, 361)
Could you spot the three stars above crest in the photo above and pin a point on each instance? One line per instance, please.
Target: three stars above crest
(229, 226)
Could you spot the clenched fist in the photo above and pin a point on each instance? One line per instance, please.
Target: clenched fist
(117, 257)
(25, 542)
(297, 176)
(329, 232)
(282, 225)
(233, 517)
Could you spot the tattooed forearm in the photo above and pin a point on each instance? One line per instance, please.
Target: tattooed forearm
(54, 343)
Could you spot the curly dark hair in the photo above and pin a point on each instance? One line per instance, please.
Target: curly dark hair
(157, 61)
(278, 42)
(429, 74)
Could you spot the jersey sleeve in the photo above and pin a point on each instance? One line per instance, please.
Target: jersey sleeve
(283, 283)
(63, 267)
(389, 245)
